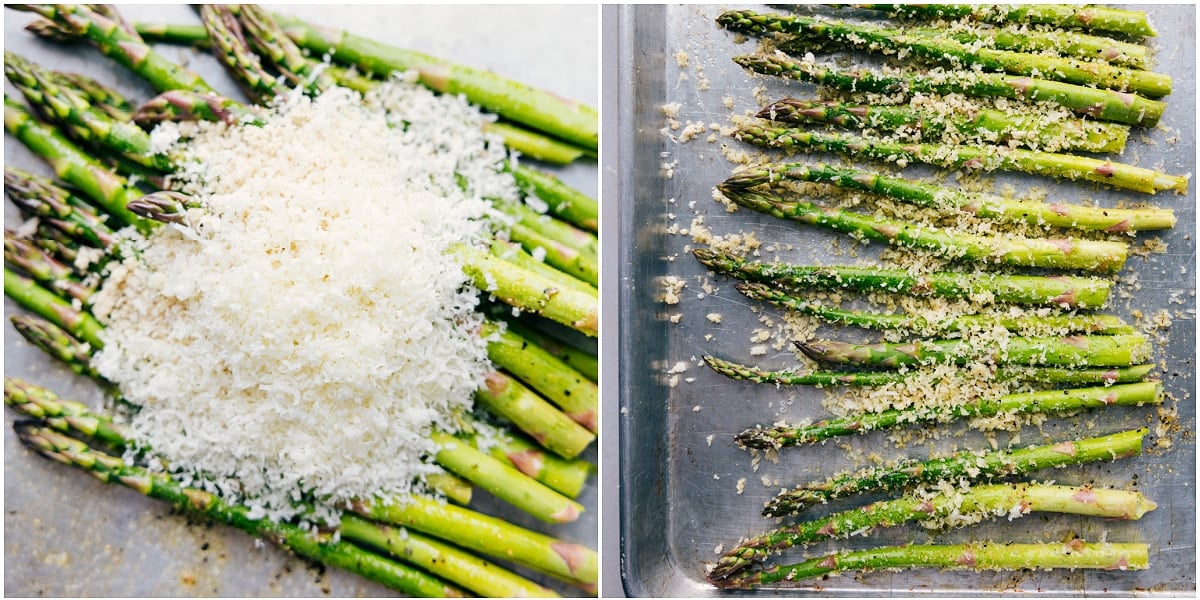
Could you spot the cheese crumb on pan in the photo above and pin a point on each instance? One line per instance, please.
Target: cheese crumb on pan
(304, 332)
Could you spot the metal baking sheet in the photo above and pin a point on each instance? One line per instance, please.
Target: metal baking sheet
(66, 534)
(679, 469)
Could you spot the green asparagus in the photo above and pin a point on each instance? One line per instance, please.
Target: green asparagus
(1046, 402)
(1067, 292)
(1059, 351)
(1129, 23)
(983, 501)
(1106, 105)
(1075, 554)
(950, 52)
(975, 466)
(957, 126)
(970, 157)
(567, 388)
(1059, 253)
(1050, 375)
(1072, 216)
(923, 326)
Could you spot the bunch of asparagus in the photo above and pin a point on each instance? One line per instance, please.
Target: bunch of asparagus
(1065, 357)
(546, 389)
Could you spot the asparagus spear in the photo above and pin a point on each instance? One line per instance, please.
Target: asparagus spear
(577, 396)
(515, 254)
(568, 249)
(531, 144)
(473, 573)
(57, 343)
(1075, 554)
(1050, 375)
(317, 547)
(585, 363)
(975, 466)
(188, 105)
(1047, 402)
(103, 97)
(64, 105)
(572, 121)
(1070, 351)
(266, 37)
(983, 501)
(985, 157)
(116, 43)
(488, 536)
(529, 292)
(564, 476)
(979, 204)
(1130, 23)
(110, 191)
(29, 294)
(503, 481)
(234, 52)
(41, 197)
(948, 51)
(563, 201)
(986, 125)
(555, 431)
(1062, 253)
(919, 325)
(44, 269)
(1106, 105)
(1068, 292)
(1066, 43)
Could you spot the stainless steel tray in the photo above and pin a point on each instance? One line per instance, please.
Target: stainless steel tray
(678, 491)
(66, 534)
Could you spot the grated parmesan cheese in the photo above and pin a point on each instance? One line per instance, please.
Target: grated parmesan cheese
(305, 332)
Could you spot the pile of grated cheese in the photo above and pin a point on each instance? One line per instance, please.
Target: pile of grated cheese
(306, 329)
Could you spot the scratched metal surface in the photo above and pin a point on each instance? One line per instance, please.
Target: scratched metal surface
(679, 498)
(66, 534)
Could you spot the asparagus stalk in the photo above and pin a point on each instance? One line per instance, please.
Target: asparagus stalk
(530, 292)
(985, 157)
(266, 37)
(564, 201)
(317, 547)
(554, 430)
(531, 144)
(572, 121)
(986, 125)
(990, 206)
(42, 198)
(983, 501)
(473, 573)
(515, 254)
(1129, 23)
(503, 481)
(1075, 554)
(920, 325)
(567, 477)
(188, 105)
(1058, 253)
(564, 249)
(44, 269)
(105, 98)
(577, 396)
(1070, 351)
(234, 52)
(971, 465)
(110, 191)
(1066, 43)
(46, 304)
(1045, 402)
(948, 51)
(1066, 292)
(1050, 375)
(116, 43)
(63, 105)
(488, 536)
(57, 343)
(585, 363)
(1106, 105)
